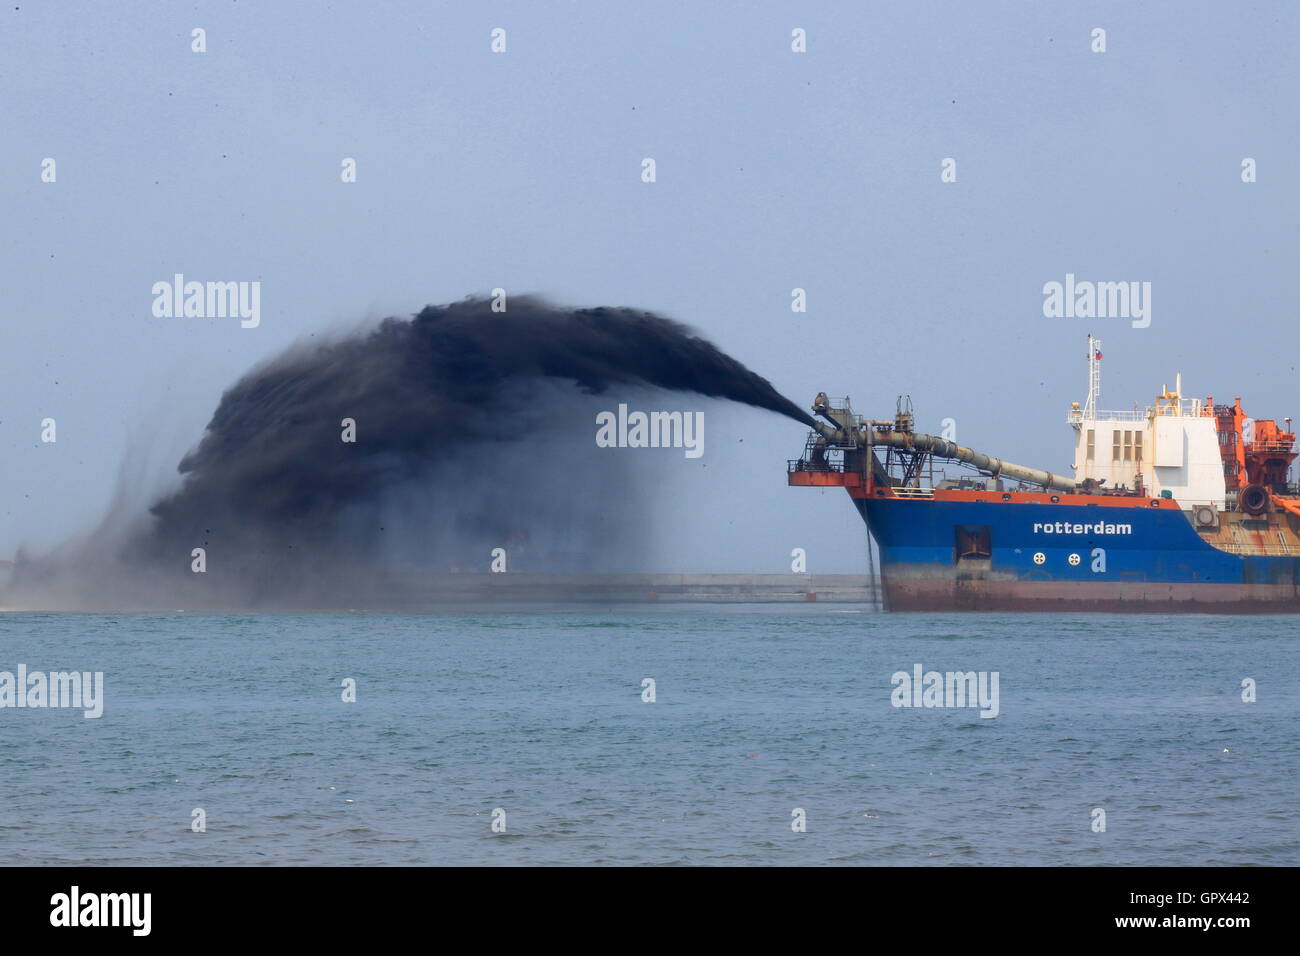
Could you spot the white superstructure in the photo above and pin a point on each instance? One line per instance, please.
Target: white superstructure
(1171, 446)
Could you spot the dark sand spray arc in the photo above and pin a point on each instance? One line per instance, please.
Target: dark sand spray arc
(473, 427)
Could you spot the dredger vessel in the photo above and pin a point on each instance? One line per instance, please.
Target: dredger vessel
(1184, 506)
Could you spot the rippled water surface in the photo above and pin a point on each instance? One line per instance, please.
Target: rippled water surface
(760, 710)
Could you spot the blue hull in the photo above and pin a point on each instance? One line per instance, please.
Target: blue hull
(990, 555)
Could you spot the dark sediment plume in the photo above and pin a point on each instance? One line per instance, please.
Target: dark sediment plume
(473, 428)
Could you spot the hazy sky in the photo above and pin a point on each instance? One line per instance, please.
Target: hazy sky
(522, 170)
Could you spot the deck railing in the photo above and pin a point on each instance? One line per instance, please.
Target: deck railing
(901, 492)
(1251, 550)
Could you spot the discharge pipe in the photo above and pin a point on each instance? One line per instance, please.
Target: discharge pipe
(942, 448)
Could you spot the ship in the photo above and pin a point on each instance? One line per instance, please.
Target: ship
(1184, 506)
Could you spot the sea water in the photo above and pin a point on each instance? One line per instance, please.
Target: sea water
(688, 734)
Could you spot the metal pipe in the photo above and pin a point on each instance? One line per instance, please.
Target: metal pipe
(942, 448)
(826, 431)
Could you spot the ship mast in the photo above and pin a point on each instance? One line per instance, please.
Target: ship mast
(1094, 378)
